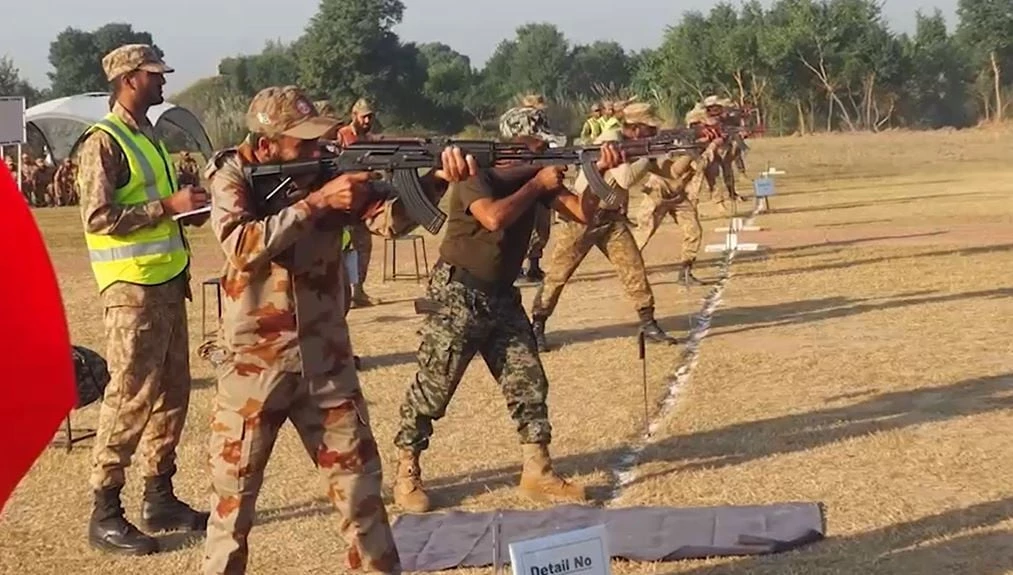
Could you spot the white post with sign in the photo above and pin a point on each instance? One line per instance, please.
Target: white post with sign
(12, 126)
(583, 551)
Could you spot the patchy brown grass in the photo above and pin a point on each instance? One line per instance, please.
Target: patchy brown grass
(859, 361)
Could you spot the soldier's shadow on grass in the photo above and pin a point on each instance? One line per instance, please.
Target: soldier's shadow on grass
(735, 445)
(179, 540)
(932, 544)
(750, 318)
(978, 250)
(744, 442)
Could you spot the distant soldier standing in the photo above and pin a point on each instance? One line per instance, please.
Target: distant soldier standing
(28, 179)
(676, 194)
(189, 172)
(533, 106)
(286, 339)
(480, 312)
(592, 125)
(141, 262)
(609, 232)
(360, 129)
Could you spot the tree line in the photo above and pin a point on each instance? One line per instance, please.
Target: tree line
(803, 65)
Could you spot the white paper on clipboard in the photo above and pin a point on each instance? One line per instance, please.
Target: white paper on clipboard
(204, 210)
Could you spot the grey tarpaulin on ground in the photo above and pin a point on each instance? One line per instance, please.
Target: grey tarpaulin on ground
(439, 541)
(91, 375)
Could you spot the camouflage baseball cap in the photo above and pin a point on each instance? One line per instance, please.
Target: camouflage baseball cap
(362, 107)
(286, 111)
(130, 57)
(324, 108)
(641, 113)
(711, 101)
(517, 122)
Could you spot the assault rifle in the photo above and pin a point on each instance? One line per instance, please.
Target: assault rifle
(403, 158)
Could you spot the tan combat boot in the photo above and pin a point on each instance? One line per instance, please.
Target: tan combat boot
(408, 492)
(539, 481)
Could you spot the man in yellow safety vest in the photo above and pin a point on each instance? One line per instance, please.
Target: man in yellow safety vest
(133, 211)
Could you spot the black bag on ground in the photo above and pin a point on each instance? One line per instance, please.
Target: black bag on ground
(92, 375)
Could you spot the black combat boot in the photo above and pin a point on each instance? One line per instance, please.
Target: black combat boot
(686, 275)
(534, 272)
(538, 328)
(651, 330)
(161, 511)
(109, 530)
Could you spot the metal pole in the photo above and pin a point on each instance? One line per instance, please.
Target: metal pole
(497, 561)
(20, 168)
(642, 348)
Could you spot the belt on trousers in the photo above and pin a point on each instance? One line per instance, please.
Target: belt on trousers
(469, 280)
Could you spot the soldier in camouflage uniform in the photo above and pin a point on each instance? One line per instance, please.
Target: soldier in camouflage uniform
(479, 311)
(610, 233)
(710, 114)
(28, 179)
(534, 104)
(286, 339)
(676, 194)
(189, 171)
(360, 129)
(64, 186)
(43, 184)
(146, 401)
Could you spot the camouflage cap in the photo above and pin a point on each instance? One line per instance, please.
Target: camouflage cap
(533, 101)
(596, 107)
(286, 111)
(325, 108)
(130, 57)
(525, 121)
(362, 107)
(641, 113)
(711, 101)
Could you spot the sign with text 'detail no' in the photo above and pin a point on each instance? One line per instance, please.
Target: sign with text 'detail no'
(583, 552)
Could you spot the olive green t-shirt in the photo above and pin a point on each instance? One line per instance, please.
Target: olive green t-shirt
(490, 256)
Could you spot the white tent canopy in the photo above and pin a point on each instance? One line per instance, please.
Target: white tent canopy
(59, 123)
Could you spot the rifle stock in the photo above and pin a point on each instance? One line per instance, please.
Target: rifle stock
(403, 159)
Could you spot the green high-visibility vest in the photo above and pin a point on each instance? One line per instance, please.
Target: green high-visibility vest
(150, 255)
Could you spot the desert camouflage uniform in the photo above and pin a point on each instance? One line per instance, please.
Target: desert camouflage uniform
(145, 403)
(724, 159)
(65, 185)
(189, 171)
(676, 194)
(288, 357)
(28, 179)
(43, 184)
(362, 238)
(610, 233)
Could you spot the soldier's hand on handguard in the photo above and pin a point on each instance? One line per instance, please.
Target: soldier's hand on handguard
(611, 156)
(187, 199)
(456, 166)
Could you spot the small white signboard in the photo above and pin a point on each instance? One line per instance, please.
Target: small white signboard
(12, 120)
(764, 187)
(583, 551)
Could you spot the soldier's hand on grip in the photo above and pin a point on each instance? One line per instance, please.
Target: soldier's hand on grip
(550, 178)
(456, 166)
(611, 156)
(346, 191)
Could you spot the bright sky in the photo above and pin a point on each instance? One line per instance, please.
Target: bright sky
(197, 34)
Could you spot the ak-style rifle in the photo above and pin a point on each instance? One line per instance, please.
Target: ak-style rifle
(274, 184)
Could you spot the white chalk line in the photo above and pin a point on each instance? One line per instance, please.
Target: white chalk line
(624, 472)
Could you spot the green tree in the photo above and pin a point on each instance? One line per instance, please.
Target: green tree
(76, 56)
(12, 84)
(349, 51)
(986, 28)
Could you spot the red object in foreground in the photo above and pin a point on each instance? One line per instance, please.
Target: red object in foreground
(37, 373)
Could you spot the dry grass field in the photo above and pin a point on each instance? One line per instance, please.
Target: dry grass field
(860, 361)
